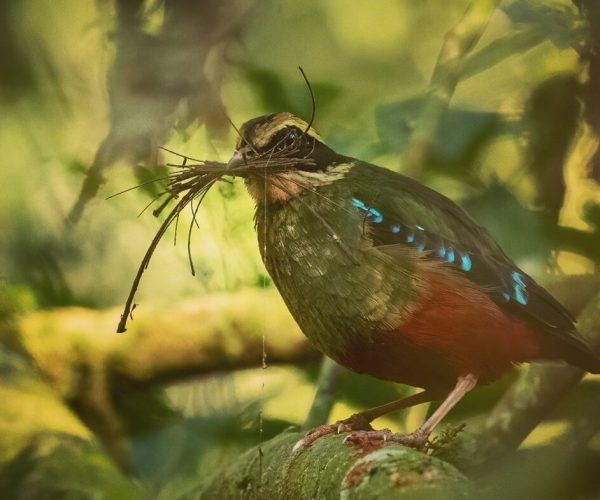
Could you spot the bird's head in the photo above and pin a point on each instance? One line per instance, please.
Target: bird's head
(280, 156)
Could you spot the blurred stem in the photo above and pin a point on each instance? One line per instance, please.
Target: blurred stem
(330, 376)
(458, 42)
(574, 240)
(527, 402)
(590, 94)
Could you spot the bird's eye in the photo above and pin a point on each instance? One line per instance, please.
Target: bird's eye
(291, 140)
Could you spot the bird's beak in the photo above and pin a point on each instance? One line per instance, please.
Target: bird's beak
(237, 160)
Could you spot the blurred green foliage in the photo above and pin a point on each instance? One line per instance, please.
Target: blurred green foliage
(89, 90)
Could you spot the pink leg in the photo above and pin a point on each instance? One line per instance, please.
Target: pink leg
(362, 421)
(417, 439)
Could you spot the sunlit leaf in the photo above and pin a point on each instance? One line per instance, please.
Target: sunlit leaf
(509, 45)
(151, 180)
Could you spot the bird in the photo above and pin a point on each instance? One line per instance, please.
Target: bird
(391, 278)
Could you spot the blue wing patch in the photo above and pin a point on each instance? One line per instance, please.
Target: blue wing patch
(415, 236)
(511, 284)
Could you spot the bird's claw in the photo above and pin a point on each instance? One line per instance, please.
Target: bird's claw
(417, 440)
(371, 438)
(376, 439)
(356, 422)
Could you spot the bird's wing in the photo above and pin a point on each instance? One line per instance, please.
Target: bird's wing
(406, 213)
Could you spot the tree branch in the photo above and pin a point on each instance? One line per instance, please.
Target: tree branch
(332, 468)
(218, 332)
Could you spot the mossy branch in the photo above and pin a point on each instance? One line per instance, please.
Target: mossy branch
(88, 365)
(215, 333)
(331, 469)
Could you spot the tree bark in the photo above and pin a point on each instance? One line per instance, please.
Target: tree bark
(331, 469)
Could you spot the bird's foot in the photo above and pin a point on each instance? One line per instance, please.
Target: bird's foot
(417, 440)
(356, 422)
(376, 439)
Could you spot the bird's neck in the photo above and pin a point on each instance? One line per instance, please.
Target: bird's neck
(265, 191)
(283, 187)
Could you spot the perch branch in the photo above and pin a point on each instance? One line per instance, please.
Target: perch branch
(332, 468)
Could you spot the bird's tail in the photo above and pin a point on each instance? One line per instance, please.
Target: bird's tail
(577, 352)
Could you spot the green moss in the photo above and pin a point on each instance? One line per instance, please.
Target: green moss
(330, 468)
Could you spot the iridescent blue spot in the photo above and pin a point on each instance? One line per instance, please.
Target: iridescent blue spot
(410, 238)
(378, 217)
(450, 255)
(358, 203)
(518, 279)
(506, 296)
(421, 246)
(395, 229)
(465, 262)
(442, 252)
(520, 295)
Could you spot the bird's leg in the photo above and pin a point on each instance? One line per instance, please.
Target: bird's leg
(362, 421)
(419, 438)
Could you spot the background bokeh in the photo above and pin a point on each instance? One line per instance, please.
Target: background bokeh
(90, 89)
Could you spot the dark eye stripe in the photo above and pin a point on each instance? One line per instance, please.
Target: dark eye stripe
(281, 137)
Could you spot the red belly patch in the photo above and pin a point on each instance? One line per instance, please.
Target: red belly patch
(453, 329)
(467, 328)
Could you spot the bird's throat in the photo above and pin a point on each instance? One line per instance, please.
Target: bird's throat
(275, 190)
(282, 187)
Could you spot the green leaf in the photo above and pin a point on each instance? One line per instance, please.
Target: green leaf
(591, 214)
(274, 95)
(519, 231)
(559, 21)
(151, 180)
(511, 44)
(461, 134)
(63, 466)
(268, 87)
(538, 22)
